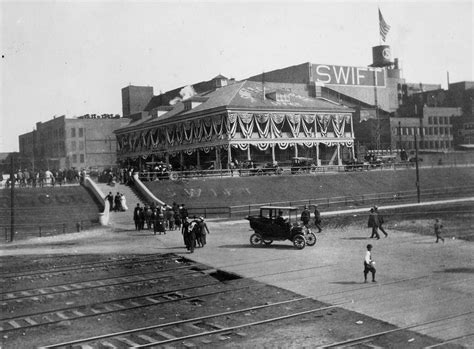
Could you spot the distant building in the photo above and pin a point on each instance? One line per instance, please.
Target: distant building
(433, 127)
(83, 142)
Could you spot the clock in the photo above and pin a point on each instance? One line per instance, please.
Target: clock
(386, 53)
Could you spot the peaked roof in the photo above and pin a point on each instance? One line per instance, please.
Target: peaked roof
(245, 95)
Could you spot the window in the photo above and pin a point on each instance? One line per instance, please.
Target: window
(435, 130)
(435, 120)
(446, 120)
(73, 132)
(73, 145)
(441, 130)
(430, 120)
(74, 158)
(81, 132)
(82, 158)
(81, 145)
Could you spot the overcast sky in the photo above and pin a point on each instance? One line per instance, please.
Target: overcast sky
(73, 58)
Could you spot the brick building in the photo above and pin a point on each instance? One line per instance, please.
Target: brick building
(82, 142)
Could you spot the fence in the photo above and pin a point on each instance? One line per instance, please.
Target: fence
(145, 176)
(45, 229)
(241, 211)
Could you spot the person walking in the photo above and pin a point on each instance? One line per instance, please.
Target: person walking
(369, 264)
(110, 198)
(305, 216)
(123, 202)
(136, 216)
(118, 206)
(317, 218)
(374, 224)
(188, 235)
(381, 221)
(437, 229)
(204, 230)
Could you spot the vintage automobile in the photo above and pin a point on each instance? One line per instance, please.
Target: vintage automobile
(302, 165)
(279, 223)
(251, 168)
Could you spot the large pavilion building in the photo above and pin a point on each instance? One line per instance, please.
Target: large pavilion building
(222, 121)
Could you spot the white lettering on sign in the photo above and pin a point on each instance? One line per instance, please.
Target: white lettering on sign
(320, 73)
(339, 72)
(359, 75)
(344, 75)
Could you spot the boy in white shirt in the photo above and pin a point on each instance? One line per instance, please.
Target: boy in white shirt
(369, 264)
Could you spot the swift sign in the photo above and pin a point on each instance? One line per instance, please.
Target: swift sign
(342, 75)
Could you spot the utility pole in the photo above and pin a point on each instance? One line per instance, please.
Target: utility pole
(12, 202)
(400, 137)
(417, 170)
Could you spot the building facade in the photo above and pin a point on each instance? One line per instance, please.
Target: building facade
(235, 122)
(82, 142)
(431, 126)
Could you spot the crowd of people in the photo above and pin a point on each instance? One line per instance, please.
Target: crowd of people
(164, 218)
(24, 178)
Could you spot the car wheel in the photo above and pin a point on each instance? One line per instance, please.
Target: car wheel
(267, 242)
(310, 239)
(299, 241)
(256, 240)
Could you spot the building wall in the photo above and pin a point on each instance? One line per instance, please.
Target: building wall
(433, 128)
(67, 143)
(135, 99)
(356, 82)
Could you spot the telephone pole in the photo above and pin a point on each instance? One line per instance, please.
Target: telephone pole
(417, 170)
(12, 200)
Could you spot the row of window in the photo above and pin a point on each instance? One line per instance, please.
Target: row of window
(435, 120)
(410, 131)
(74, 158)
(80, 132)
(73, 145)
(425, 144)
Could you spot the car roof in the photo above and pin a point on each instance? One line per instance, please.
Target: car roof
(279, 207)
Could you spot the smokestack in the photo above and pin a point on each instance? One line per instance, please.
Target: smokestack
(447, 76)
(263, 84)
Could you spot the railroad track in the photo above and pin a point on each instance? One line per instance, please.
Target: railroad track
(77, 287)
(206, 330)
(117, 305)
(96, 265)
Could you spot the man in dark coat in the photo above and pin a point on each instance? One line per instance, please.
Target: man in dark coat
(305, 216)
(381, 221)
(374, 224)
(136, 216)
(118, 204)
(110, 198)
(317, 218)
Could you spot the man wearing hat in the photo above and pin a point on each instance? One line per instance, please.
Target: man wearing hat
(374, 224)
(369, 264)
(305, 216)
(381, 221)
(317, 218)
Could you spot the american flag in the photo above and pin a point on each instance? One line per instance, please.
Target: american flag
(384, 27)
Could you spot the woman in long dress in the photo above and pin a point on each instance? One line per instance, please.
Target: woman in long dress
(123, 202)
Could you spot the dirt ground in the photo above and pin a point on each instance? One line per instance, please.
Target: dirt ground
(109, 243)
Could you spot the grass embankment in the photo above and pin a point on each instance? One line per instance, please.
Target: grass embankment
(51, 210)
(222, 192)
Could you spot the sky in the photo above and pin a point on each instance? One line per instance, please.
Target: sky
(73, 58)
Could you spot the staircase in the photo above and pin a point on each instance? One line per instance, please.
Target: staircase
(122, 219)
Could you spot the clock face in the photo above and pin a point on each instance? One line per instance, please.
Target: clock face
(386, 53)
